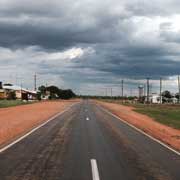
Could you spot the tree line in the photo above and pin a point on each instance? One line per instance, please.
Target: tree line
(53, 92)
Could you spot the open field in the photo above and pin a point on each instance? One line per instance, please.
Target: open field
(10, 103)
(165, 114)
(16, 121)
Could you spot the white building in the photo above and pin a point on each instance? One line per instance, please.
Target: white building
(154, 98)
(174, 100)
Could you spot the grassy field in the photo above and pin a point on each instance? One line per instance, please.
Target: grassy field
(165, 114)
(9, 103)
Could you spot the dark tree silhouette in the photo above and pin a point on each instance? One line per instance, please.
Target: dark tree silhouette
(56, 93)
(167, 94)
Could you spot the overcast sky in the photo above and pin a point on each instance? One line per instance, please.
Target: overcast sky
(90, 45)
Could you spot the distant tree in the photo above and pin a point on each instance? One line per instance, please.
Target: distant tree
(39, 96)
(177, 95)
(167, 94)
(56, 93)
(66, 94)
(42, 90)
(53, 89)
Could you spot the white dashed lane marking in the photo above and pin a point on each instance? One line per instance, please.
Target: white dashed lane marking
(95, 172)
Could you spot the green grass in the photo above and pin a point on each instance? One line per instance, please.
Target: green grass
(165, 114)
(10, 103)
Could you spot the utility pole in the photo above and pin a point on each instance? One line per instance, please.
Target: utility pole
(122, 88)
(144, 90)
(179, 89)
(140, 88)
(35, 77)
(160, 90)
(148, 90)
(21, 92)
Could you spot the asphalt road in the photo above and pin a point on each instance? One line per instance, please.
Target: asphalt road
(86, 143)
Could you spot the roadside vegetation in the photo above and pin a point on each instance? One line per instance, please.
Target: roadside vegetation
(54, 92)
(10, 103)
(165, 114)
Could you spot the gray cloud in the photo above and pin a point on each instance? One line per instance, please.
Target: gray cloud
(75, 43)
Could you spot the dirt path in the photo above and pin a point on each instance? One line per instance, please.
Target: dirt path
(164, 133)
(15, 121)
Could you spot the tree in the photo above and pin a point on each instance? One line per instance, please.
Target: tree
(42, 90)
(56, 93)
(66, 94)
(177, 95)
(167, 94)
(39, 96)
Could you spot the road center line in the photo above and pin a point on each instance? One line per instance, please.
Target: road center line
(35, 129)
(95, 172)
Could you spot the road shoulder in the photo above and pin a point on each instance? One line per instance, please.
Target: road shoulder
(17, 121)
(159, 131)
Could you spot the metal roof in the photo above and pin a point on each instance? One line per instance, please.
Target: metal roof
(16, 88)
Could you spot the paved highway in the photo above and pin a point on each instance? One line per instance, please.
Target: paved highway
(87, 143)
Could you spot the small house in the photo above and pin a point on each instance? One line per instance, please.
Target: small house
(20, 93)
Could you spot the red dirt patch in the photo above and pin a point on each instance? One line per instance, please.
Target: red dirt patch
(162, 132)
(15, 121)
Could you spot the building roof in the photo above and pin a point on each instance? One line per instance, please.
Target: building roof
(17, 88)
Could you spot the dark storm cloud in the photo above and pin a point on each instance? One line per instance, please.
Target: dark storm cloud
(129, 39)
(55, 25)
(139, 61)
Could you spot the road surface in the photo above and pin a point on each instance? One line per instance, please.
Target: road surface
(87, 143)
